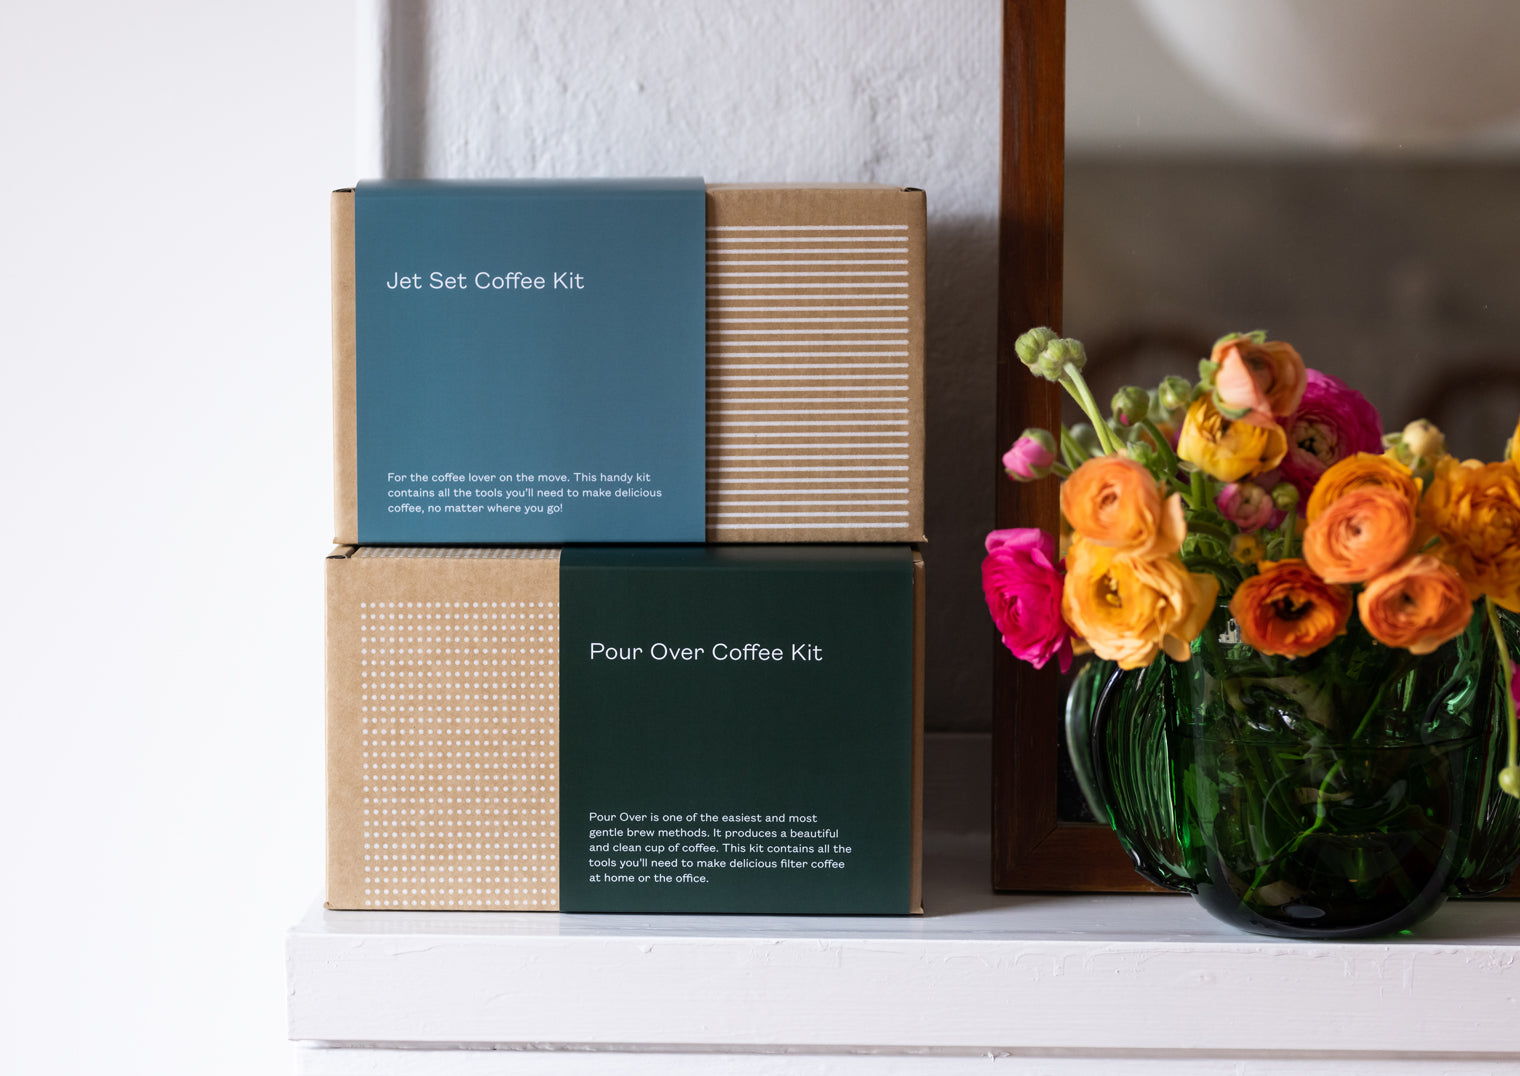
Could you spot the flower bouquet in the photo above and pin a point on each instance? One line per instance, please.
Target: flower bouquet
(1303, 704)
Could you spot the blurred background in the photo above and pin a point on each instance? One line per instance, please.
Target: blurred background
(164, 416)
(1345, 175)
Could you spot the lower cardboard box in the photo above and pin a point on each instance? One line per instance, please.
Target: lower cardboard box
(625, 729)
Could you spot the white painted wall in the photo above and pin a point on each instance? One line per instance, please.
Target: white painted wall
(164, 441)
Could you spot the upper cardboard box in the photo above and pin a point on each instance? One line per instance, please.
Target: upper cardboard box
(806, 423)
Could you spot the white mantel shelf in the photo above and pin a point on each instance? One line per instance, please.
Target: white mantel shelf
(1030, 983)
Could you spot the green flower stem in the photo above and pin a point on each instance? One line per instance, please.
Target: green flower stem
(1198, 494)
(1285, 531)
(1198, 526)
(1406, 660)
(1162, 445)
(1292, 845)
(1074, 453)
(1071, 377)
(1506, 672)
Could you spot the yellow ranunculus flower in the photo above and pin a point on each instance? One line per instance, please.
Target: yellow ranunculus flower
(1247, 548)
(1474, 508)
(1514, 445)
(1358, 471)
(1229, 450)
(1116, 502)
(1128, 609)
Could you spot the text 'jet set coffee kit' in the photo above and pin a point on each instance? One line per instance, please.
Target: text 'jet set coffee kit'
(626, 614)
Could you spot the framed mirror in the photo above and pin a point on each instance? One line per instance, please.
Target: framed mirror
(1378, 237)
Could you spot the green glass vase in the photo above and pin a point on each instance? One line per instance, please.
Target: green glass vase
(1345, 794)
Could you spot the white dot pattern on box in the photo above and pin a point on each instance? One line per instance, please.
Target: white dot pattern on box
(459, 709)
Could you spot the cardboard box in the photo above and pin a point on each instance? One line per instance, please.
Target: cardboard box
(616, 729)
(814, 412)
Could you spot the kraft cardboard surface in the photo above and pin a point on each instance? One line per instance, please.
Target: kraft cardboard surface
(815, 345)
(620, 729)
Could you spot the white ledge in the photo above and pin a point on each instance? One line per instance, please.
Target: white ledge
(1088, 975)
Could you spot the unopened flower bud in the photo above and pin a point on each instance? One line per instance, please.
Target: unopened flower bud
(1030, 345)
(1139, 449)
(1175, 393)
(1032, 456)
(1418, 445)
(1130, 405)
(1048, 355)
(1509, 780)
(1246, 505)
(1285, 496)
(1068, 352)
(1087, 437)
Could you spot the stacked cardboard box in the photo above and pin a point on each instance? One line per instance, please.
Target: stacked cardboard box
(518, 719)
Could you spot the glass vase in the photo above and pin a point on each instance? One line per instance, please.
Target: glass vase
(1345, 794)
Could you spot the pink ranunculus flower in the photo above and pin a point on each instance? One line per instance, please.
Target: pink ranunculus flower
(1333, 421)
(1022, 578)
(1263, 378)
(1514, 687)
(1031, 457)
(1247, 505)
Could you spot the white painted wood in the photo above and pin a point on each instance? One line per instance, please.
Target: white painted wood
(319, 1061)
(981, 972)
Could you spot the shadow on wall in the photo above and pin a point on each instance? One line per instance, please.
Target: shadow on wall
(960, 468)
(1397, 278)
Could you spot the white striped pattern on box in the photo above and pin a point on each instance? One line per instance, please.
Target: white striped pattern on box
(814, 422)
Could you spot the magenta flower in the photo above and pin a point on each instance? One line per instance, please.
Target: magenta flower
(1032, 456)
(1022, 579)
(1247, 505)
(1333, 421)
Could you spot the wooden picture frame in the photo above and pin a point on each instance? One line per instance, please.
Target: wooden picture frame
(1032, 848)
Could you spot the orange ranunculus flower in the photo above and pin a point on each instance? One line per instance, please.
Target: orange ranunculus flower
(1418, 605)
(1288, 610)
(1116, 502)
(1358, 471)
(1128, 609)
(1263, 376)
(1474, 508)
(1229, 449)
(1363, 534)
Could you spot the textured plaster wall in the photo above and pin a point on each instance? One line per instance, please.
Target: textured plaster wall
(894, 91)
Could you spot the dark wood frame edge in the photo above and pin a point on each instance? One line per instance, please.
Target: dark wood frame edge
(1032, 849)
